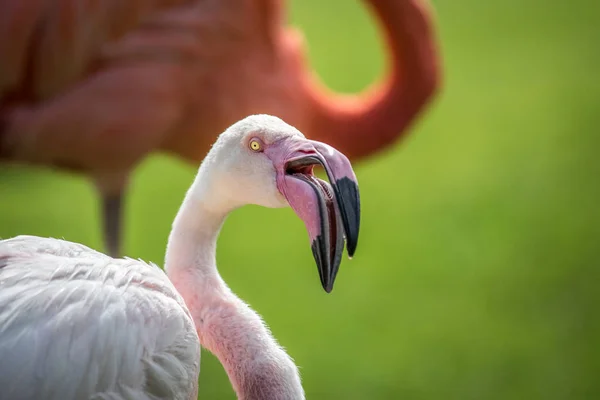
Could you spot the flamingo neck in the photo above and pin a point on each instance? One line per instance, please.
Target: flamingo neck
(257, 366)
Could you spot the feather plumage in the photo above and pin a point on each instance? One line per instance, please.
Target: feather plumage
(74, 324)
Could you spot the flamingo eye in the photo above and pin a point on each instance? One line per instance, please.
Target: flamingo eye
(255, 145)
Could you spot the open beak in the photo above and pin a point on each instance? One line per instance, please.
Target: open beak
(330, 210)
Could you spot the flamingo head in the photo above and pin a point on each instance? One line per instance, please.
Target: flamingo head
(262, 160)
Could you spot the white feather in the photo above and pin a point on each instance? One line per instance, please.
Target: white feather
(74, 324)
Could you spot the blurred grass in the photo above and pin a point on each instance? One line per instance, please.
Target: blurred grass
(476, 275)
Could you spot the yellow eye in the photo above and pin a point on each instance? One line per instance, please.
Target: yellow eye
(255, 145)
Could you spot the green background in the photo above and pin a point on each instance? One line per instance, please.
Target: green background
(477, 275)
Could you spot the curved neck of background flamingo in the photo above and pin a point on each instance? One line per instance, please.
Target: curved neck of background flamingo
(362, 124)
(256, 365)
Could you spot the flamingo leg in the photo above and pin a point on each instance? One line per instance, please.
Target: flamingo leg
(112, 216)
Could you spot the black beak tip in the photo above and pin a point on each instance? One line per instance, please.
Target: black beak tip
(347, 191)
(351, 247)
(323, 266)
(328, 287)
(326, 281)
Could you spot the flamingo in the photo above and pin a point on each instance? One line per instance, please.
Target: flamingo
(75, 323)
(93, 87)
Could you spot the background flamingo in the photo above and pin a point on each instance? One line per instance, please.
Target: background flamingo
(77, 324)
(94, 86)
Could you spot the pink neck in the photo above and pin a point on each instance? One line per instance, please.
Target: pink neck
(257, 366)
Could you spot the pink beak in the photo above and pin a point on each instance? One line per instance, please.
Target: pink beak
(330, 211)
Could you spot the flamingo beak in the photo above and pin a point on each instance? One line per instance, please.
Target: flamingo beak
(330, 210)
